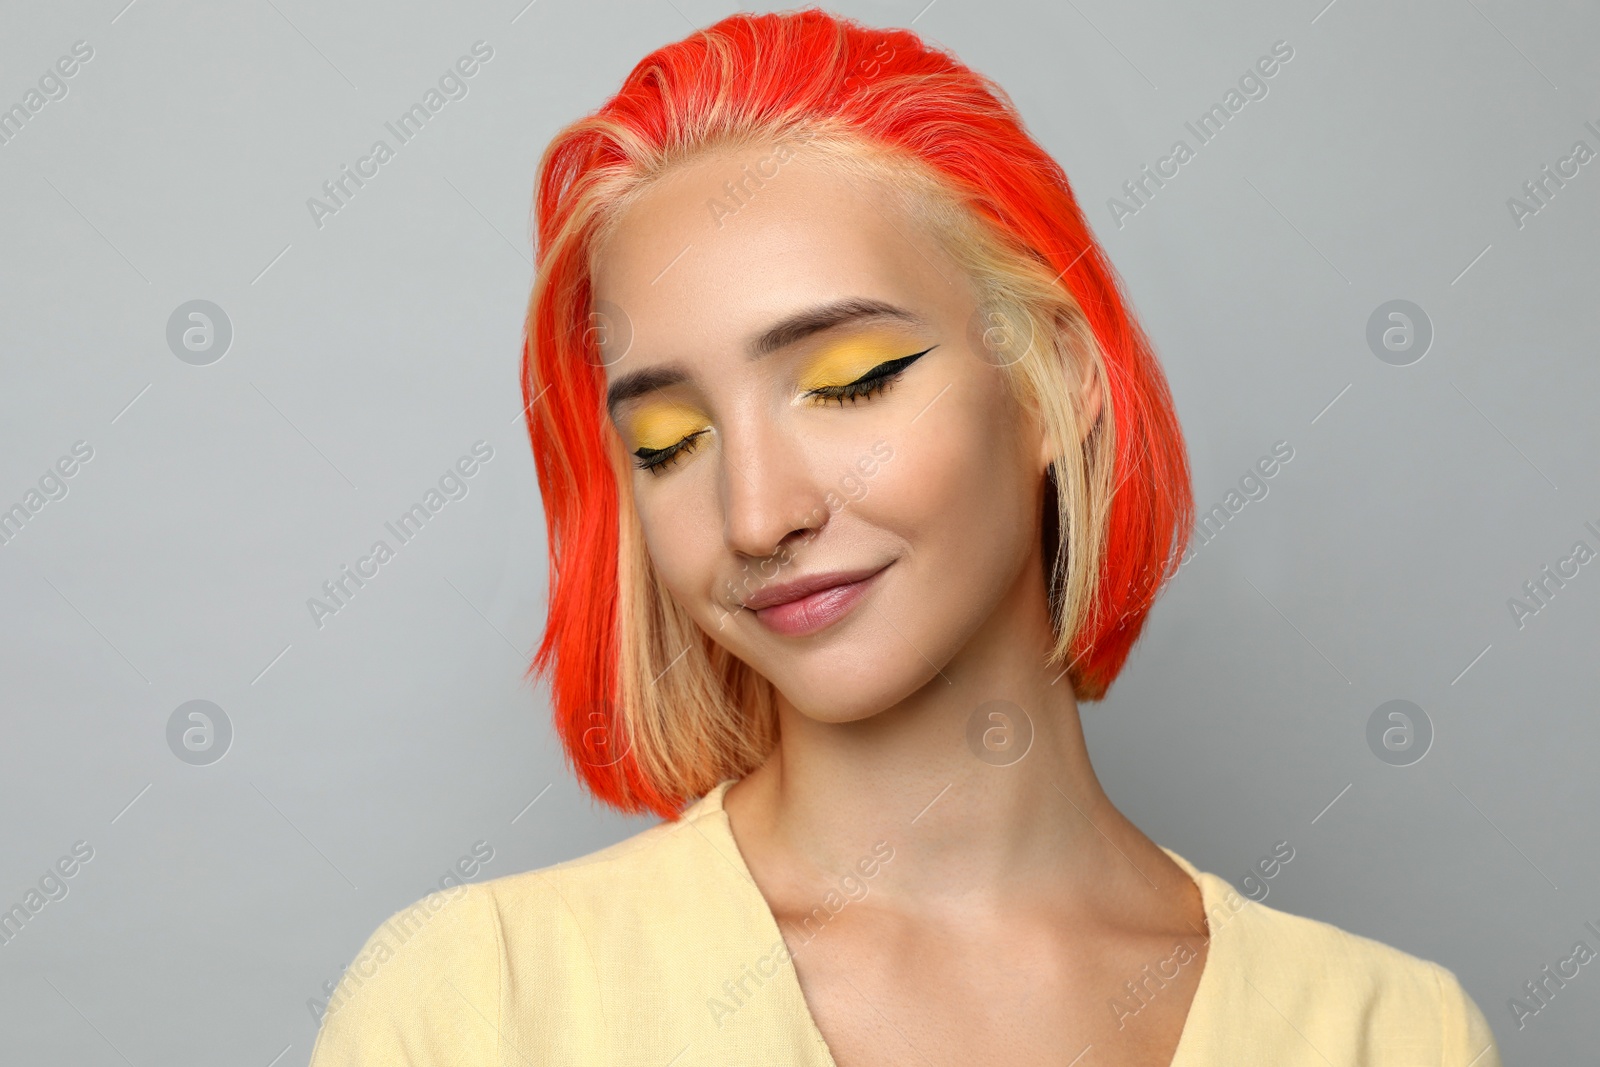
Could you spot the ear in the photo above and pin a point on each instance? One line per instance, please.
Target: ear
(1089, 397)
(1048, 451)
(1090, 401)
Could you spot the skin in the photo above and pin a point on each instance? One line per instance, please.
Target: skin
(1018, 900)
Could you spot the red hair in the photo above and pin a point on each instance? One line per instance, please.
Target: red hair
(886, 87)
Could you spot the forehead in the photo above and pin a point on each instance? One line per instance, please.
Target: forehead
(732, 241)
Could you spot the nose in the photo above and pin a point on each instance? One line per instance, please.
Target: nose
(771, 499)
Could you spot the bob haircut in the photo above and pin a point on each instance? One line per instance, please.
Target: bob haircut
(651, 712)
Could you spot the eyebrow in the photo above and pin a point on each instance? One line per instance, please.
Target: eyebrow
(787, 331)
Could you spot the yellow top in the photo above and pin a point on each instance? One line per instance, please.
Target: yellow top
(660, 950)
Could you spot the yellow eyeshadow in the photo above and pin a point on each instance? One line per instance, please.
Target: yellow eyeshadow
(664, 425)
(843, 363)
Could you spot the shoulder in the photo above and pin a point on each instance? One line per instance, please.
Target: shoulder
(622, 919)
(669, 870)
(423, 988)
(1319, 976)
(1283, 945)
(451, 976)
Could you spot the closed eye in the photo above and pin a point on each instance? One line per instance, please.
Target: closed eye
(874, 381)
(656, 460)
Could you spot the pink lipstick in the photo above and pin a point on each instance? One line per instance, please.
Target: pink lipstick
(808, 605)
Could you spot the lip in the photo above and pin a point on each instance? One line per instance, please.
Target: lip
(806, 605)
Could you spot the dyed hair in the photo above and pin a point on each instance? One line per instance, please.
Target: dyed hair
(650, 710)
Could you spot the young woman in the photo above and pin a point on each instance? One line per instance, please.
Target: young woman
(859, 475)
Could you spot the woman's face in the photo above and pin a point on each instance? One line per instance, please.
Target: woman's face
(790, 369)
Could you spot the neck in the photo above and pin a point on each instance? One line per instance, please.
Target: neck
(980, 781)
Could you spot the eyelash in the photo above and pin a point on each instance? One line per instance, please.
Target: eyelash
(656, 460)
(875, 381)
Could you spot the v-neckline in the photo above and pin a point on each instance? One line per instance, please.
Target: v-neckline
(1199, 1005)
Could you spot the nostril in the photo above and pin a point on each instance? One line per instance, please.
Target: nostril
(801, 536)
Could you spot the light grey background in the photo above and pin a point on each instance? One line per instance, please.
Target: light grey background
(371, 352)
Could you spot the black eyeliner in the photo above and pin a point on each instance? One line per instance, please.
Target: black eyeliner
(881, 371)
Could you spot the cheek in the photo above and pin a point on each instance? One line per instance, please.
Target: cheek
(958, 476)
(681, 538)
(963, 499)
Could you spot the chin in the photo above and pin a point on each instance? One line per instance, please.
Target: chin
(837, 688)
(836, 708)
